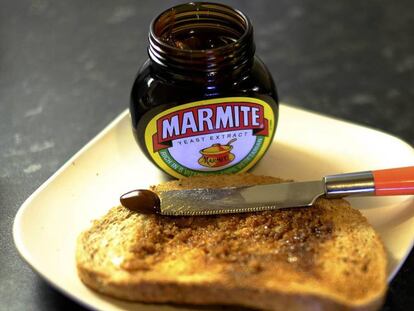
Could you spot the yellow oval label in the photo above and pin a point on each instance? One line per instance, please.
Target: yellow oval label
(215, 136)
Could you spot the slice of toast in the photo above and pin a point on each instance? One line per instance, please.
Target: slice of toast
(326, 257)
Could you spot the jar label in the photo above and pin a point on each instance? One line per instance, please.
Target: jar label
(222, 135)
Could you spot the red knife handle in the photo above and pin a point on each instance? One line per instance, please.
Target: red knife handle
(394, 181)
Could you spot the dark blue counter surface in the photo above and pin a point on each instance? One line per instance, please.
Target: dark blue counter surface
(66, 68)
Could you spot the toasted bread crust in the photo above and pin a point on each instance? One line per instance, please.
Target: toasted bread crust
(326, 257)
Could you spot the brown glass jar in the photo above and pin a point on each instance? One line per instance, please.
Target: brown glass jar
(203, 103)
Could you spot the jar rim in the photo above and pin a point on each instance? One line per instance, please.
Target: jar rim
(248, 29)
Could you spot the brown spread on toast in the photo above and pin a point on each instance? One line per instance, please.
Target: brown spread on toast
(294, 259)
(250, 241)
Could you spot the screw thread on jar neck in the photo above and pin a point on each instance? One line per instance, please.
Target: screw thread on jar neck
(201, 41)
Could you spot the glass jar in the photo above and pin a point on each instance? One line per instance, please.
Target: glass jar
(203, 103)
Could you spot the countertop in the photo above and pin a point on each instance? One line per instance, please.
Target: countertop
(66, 69)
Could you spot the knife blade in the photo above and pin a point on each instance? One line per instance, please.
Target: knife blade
(255, 198)
(239, 199)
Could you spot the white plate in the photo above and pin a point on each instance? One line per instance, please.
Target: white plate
(307, 146)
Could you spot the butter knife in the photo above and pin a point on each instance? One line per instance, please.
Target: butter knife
(229, 200)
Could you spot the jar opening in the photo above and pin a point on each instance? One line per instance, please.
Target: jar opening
(201, 38)
(200, 26)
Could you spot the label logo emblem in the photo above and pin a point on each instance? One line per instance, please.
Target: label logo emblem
(225, 135)
(217, 155)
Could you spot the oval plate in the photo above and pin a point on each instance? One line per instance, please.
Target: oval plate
(307, 146)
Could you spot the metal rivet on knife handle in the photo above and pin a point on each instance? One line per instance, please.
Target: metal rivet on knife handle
(359, 183)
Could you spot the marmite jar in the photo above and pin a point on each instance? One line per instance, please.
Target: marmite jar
(203, 103)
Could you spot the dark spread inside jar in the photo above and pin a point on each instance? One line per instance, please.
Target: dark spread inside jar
(199, 39)
(199, 26)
